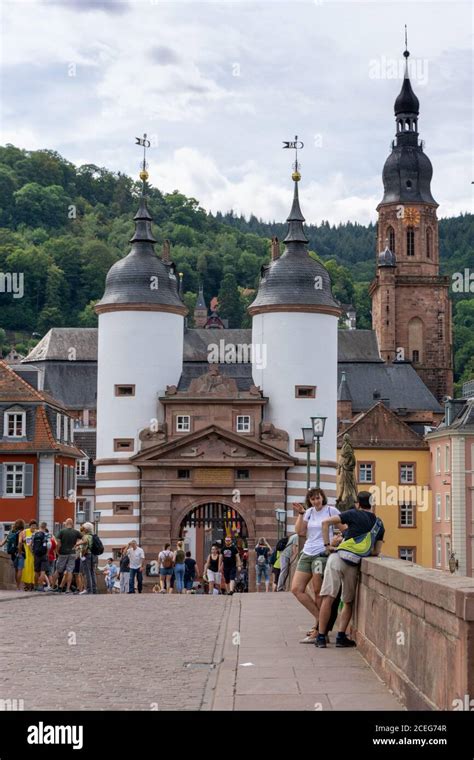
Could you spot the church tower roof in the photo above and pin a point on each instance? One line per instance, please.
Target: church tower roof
(407, 171)
(294, 281)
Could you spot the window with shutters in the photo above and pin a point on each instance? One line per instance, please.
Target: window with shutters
(82, 467)
(58, 427)
(65, 482)
(14, 480)
(72, 484)
(66, 428)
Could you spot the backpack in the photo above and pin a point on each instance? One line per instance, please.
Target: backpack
(274, 556)
(353, 549)
(12, 542)
(168, 561)
(281, 544)
(97, 547)
(261, 560)
(39, 543)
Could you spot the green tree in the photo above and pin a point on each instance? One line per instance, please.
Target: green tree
(230, 302)
(39, 206)
(88, 317)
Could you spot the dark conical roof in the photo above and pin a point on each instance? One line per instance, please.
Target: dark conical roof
(294, 279)
(141, 277)
(407, 171)
(407, 102)
(343, 392)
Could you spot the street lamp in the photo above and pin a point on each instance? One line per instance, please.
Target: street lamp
(96, 522)
(308, 441)
(318, 424)
(280, 514)
(80, 517)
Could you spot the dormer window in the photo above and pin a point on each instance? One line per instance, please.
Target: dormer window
(82, 466)
(14, 424)
(243, 423)
(183, 423)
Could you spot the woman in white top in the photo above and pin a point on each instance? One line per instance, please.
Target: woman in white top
(313, 558)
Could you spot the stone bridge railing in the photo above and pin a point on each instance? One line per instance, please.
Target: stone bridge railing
(415, 627)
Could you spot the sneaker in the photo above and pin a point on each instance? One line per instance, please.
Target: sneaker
(320, 641)
(310, 639)
(343, 641)
(68, 591)
(83, 592)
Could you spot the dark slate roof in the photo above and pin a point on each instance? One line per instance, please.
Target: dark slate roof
(72, 383)
(28, 372)
(141, 277)
(86, 440)
(407, 102)
(242, 374)
(398, 383)
(58, 342)
(198, 340)
(462, 415)
(354, 345)
(358, 346)
(407, 176)
(291, 278)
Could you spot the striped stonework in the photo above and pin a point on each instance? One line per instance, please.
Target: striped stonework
(117, 483)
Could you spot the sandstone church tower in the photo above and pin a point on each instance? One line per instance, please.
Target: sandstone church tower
(411, 310)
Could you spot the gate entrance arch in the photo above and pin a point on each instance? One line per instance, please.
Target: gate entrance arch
(210, 523)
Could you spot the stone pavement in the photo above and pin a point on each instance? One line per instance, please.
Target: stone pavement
(160, 652)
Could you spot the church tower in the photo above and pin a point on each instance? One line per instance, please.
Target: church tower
(411, 310)
(294, 323)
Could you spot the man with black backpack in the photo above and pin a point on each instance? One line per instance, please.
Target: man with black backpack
(41, 544)
(91, 549)
(342, 567)
(67, 539)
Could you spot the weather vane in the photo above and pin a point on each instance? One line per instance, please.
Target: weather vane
(407, 52)
(146, 144)
(296, 145)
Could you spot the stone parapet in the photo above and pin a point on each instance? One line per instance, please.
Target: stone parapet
(415, 627)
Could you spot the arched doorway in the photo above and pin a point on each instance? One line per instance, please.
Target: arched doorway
(210, 523)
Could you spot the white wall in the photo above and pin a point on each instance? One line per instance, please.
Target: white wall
(143, 348)
(46, 490)
(301, 349)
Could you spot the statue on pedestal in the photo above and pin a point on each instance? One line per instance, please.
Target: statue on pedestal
(346, 485)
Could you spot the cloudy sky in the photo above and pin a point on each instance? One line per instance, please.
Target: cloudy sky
(219, 85)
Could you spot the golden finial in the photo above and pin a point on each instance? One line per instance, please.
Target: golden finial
(296, 145)
(146, 144)
(296, 176)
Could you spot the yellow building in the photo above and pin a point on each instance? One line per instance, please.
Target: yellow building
(393, 463)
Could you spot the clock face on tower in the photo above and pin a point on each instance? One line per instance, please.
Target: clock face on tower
(411, 216)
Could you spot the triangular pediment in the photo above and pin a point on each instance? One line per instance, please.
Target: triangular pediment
(380, 428)
(213, 445)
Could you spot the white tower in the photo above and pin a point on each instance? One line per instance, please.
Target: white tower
(140, 352)
(295, 318)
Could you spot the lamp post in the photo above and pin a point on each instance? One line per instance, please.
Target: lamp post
(80, 517)
(280, 514)
(96, 522)
(308, 441)
(318, 425)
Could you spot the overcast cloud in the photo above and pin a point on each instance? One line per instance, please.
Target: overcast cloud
(218, 86)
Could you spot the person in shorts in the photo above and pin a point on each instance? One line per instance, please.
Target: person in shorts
(313, 558)
(229, 564)
(211, 570)
(67, 539)
(340, 573)
(166, 564)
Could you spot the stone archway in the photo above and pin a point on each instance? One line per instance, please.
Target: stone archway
(214, 514)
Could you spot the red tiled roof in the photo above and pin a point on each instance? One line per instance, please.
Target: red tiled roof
(13, 388)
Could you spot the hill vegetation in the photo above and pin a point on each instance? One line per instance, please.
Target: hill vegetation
(62, 228)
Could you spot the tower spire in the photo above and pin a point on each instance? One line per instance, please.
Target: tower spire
(295, 219)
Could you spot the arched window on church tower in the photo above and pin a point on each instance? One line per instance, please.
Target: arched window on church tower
(415, 340)
(429, 242)
(391, 239)
(410, 241)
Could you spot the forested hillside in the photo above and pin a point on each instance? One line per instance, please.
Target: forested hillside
(62, 228)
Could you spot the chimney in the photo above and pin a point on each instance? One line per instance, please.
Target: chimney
(275, 248)
(165, 253)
